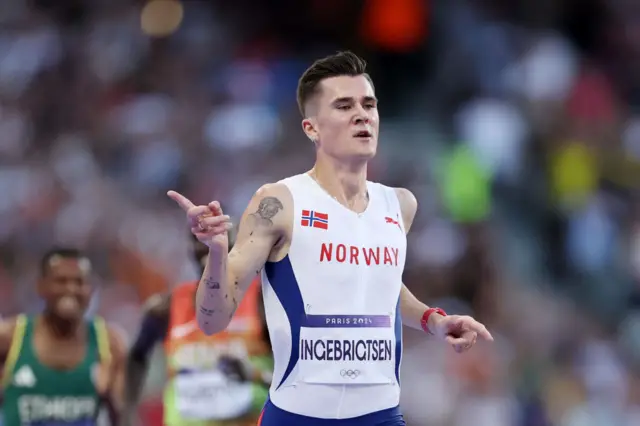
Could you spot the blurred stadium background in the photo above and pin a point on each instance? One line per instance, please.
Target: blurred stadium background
(513, 121)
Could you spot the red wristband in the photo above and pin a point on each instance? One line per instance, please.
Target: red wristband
(424, 322)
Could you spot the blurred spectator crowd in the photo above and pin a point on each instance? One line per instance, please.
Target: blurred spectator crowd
(516, 124)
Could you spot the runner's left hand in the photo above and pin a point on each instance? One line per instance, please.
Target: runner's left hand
(460, 331)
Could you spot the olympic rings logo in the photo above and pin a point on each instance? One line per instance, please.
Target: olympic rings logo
(351, 374)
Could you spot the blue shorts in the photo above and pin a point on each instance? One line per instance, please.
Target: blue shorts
(274, 416)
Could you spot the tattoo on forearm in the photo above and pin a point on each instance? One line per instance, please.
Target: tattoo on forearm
(207, 312)
(211, 284)
(267, 209)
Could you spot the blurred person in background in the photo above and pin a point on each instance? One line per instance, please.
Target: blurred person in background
(60, 368)
(517, 118)
(351, 268)
(219, 380)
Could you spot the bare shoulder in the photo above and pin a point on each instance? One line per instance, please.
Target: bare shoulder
(269, 208)
(7, 328)
(263, 230)
(158, 305)
(408, 205)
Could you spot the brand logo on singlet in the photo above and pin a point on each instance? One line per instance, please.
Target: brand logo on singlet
(393, 222)
(24, 377)
(342, 253)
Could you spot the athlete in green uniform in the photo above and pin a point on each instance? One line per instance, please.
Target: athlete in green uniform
(60, 369)
(154, 330)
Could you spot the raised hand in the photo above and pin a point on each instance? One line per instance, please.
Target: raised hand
(461, 331)
(207, 223)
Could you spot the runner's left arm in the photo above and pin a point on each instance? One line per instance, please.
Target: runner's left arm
(411, 309)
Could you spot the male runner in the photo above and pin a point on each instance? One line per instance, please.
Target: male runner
(217, 380)
(331, 246)
(59, 368)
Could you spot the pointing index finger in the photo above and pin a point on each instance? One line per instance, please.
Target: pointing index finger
(482, 331)
(184, 203)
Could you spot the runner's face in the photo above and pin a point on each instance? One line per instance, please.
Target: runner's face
(65, 287)
(347, 107)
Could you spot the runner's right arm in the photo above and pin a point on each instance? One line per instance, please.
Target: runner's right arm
(7, 327)
(227, 276)
(154, 328)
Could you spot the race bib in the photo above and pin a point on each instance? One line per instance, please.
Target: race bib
(347, 350)
(209, 395)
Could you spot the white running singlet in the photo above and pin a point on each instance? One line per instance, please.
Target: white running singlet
(332, 305)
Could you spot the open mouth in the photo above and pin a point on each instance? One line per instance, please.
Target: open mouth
(362, 134)
(68, 306)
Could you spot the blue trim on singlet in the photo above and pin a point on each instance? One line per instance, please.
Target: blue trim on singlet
(285, 286)
(398, 335)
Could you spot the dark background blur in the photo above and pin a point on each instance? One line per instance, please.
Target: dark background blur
(515, 122)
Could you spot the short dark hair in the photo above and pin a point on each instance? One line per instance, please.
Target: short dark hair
(339, 64)
(63, 252)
